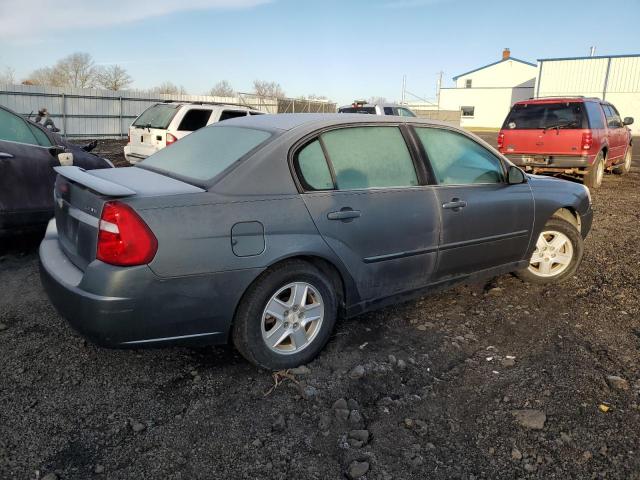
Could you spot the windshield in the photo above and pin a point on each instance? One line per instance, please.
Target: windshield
(357, 110)
(156, 116)
(205, 153)
(546, 115)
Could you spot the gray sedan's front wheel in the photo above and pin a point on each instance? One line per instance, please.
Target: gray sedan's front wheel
(557, 255)
(286, 316)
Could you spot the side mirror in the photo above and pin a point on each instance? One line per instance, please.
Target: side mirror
(627, 121)
(66, 159)
(515, 176)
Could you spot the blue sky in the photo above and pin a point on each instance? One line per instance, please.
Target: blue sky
(342, 49)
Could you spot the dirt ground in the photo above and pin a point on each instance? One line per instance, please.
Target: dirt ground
(439, 384)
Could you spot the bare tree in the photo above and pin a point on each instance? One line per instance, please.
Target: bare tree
(8, 76)
(113, 77)
(169, 88)
(268, 89)
(75, 70)
(377, 100)
(222, 89)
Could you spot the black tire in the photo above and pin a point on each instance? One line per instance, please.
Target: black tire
(624, 167)
(593, 179)
(568, 229)
(247, 326)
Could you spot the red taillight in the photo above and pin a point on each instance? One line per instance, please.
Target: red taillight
(500, 141)
(171, 139)
(123, 238)
(587, 141)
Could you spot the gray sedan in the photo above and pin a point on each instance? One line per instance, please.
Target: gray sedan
(266, 229)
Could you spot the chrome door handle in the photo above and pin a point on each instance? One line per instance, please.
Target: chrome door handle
(455, 204)
(5, 155)
(344, 214)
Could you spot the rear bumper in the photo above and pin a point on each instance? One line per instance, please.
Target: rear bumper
(133, 157)
(551, 161)
(132, 307)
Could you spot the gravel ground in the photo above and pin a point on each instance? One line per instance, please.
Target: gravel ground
(492, 380)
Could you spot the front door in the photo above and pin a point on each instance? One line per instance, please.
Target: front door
(365, 196)
(617, 134)
(485, 221)
(26, 173)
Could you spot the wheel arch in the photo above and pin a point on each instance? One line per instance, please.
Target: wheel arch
(569, 214)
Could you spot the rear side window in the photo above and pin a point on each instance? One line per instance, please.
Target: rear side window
(361, 157)
(15, 129)
(313, 168)
(594, 110)
(227, 114)
(458, 160)
(359, 110)
(534, 116)
(194, 119)
(388, 111)
(156, 116)
(403, 112)
(205, 153)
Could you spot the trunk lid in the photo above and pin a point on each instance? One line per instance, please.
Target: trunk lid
(80, 196)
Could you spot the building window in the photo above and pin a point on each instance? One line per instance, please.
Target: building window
(467, 111)
(467, 83)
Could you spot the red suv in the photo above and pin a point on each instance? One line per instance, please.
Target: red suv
(567, 135)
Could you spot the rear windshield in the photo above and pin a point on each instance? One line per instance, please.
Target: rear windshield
(156, 116)
(358, 110)
(546, 115)
(205, 153)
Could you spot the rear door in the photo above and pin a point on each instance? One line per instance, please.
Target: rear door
(617, 133)
(369, 203)
(485, 221)
(26, 173)
(545, 129)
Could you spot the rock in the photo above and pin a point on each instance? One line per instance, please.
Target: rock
(340, 404)
(3, 326)
(353, 404)
(342, 413)
(408, 422)
(533, 419)
(355, 417)
(530, 467)
(508, 362)
(99, 469)
(301, 370)
(357, 469)
(279, 424)
(257, 443)
(357, 372)
(50, 476)
(358, 438)
(138, 427)
(495, 291)
(516, 454)
(587, 455)
(310, 392)
(402, 364)
(422, 327)
(392, 359)
(617, 383)
(565, 438)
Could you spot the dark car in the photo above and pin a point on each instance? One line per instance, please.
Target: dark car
(265, 229)
(28, 154)
(578, 136)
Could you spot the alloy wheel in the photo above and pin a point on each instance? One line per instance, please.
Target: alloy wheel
(292, 318)
(553, 254)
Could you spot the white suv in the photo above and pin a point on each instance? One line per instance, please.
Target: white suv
(165, 123)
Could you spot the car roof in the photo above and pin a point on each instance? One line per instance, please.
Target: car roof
(289, 121)
(207, 104)
(375, 105)
(542, 100)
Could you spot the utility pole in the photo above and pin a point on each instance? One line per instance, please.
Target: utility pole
(404, 88)
(439, 86)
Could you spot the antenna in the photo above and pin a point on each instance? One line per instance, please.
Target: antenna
(592, 51)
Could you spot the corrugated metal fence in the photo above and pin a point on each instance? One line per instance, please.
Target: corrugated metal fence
(80, 112)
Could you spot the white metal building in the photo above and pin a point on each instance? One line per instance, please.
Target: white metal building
(614, 78)
(485, 95)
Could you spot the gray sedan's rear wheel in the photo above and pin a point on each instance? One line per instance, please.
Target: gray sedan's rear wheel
(557, 255)
(286, 316)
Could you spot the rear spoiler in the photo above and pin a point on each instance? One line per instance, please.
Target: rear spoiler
(105, 187)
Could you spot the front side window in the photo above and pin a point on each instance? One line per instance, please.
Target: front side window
(194, 120)
(468, 111)
(458, 160)
(205, 153)
(15, 129)
(613, 119)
